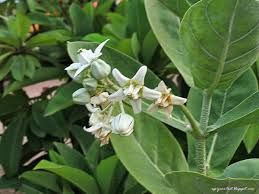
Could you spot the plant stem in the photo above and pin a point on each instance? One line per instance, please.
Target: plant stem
(215, 136)
(194, 124)
(201, 142)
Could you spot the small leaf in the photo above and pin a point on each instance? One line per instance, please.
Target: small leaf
(11, 145)
(44, 179)
(62, 99)
(41, 74)
(81, 21)
(77, 177)
(31, 64)
(72, 157)
(149, 47)
(251, 137)
(48, 38)
(18, 67)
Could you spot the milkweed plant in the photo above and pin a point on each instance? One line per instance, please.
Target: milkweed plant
(213, 44)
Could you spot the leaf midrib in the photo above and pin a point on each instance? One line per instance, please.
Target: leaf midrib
(225, 49)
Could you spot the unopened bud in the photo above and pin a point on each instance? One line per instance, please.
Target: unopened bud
(81, 96)
(90, 84)
(100, 69)
(122, 124)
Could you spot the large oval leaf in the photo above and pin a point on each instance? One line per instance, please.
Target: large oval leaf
(221, 39)
(194, 183)
(165, 24)
(128, 66)
(150, 153)
(227, 140)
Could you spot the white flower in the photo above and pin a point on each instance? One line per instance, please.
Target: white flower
(167, 100)
(122, 124)
(99, 126)
(133, 89)
(85, 57)
(81, 96)
(99, 99)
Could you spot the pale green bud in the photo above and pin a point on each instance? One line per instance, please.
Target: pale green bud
(100, 69)
(90, 84)
(81, 96)
(122, 124)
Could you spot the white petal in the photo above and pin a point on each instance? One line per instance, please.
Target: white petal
(136, 105)
(140, 75)
(179, 100)
(73, 66)
(100, 47)
(129, 90)
(121, 79)
(93, 128)
(150, 94)
(117, 96)
(91, 108)
(85, 56)
(162, 87)
(82, 68)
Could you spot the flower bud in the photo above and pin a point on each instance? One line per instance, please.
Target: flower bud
(90, 84)
(81, 96)
(100, 69)
(122, 124)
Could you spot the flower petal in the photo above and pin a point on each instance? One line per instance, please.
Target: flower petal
(91, 108)
(117, 96)
(162, 87)
(82, 68)
(93, 128)
(73, 66)
(121, 79)
(100, 47)
(153, 108)
(136, 105)
(179, 100)
(140, 75)
(150, 94)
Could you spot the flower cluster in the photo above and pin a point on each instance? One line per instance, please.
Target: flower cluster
(100, 94)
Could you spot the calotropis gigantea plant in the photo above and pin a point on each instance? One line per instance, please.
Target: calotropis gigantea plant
(213, 43)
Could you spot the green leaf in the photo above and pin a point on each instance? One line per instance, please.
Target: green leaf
(9, 183)
(18, 67)
(54, 125)
(152, 152)
(31, 64)
(248, 169)
(11, 145)
(62, 99)
(75, 176)
(119, 60)
(149, 47)
(81, 21)
(84, 139)
(19, 26)
(72, 157)
(7, 38)
(41, 74)
(5, 68)
(44, 179)
(109, 175)
(165, 25)
(137, 19)
(227, 140)
(48, 38)
(245, 113)
(220, 40)
(251, 137)
(135, 45)
(12, 103)
(194, 183)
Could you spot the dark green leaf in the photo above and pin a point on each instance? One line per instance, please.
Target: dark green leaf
(62, 99)
(11, 145)
(251, 137)
(77, 177)
(41, 74)
(44, 179)
(18, 67)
